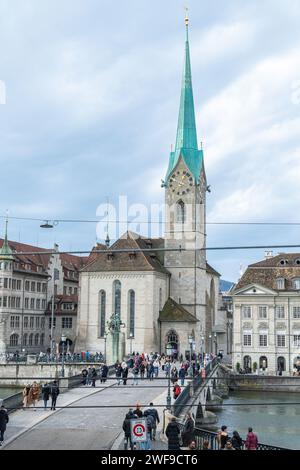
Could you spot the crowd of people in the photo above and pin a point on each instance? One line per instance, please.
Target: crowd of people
(152, 420)
(235, 442)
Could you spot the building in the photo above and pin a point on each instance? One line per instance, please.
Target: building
(168, 299)
(26, 290)
(266, 312)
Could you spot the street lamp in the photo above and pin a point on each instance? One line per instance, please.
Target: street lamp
(216, 343)
(210, 337)
(169, 400)
(105, 339)
(202, 342)
(131, 338)
(191, 339)
(63, 340)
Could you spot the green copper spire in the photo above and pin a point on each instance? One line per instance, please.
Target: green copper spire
(186, 139)
(6, 252)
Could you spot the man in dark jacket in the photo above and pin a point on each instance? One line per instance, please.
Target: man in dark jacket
(127, 430)
(173, 433)
(54, 392)
(103, 373)
(3, 422)
(153, 412)
(188, 433)
(45, 394)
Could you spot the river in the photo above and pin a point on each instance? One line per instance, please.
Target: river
(277, 424)
(6, 392)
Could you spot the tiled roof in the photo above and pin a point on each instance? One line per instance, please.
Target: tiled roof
(128, 261)
(267, 271)
(174, 312)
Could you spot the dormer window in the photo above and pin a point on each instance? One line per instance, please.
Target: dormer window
(110, 256)
(297, 261)
(283, 262)
(296, 283)
(280, 283)
(132, 256)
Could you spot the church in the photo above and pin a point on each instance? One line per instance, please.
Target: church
(163, 290)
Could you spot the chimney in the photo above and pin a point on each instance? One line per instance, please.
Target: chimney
(268, 254)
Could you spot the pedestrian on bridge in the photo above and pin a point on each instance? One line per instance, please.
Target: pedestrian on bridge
(34, 394)
(3, 422)
(118, 369)
(188, 433)
(127, 429)
(103, 373)
(45, 394)
(173, 434)
(251, 441)
(182, 374)
(54, 391)
(125, 374)
(154, 413)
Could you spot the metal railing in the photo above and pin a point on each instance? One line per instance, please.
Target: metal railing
(192, 387)
(202, 435)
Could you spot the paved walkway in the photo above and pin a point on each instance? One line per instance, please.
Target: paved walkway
(92, 420)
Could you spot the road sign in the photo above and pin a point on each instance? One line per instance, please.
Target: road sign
(138, 430)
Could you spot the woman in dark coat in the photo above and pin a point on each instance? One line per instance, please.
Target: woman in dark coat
(3, 422)
(236, 440)
(188, 433)
(124, 375)
(173, 434)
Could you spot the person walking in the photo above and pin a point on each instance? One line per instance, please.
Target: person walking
(135, 374)
(138, 412)
(103, 373)
(173, 434)
(3, 422)
(45, 394)
(229, 446)
(154, 413)
(174, 374)
(54, 392)
(118, 369)
(84, 374)
(176, 391)
(182, 374)
(89, 376)
(251, 441)
(188, 433)
(151, 371)
(125, 374)
(34, 394)
(94, 377)
(156, 368)
(142, 369)
(237, 441)
(127, 429)
(26, 397)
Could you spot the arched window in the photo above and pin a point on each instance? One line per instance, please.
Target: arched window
(42, 339)
(30, 341)
(117, 297)
(247, 364)
(180, 212)
(102, 312)
(14, 339)
(131, 310)
(36, 339)
(25, 339)
(263, 362)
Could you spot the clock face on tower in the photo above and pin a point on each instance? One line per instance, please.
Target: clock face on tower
(181, 182)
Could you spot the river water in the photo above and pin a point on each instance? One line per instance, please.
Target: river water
(6, 392)
(277, 424)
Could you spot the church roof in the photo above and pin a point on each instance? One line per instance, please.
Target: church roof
(186, 145)
(133, 259)
(174, 312)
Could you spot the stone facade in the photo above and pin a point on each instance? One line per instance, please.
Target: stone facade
(266, 312)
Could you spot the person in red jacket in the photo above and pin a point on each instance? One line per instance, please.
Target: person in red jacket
(251, 441)
(176, 391)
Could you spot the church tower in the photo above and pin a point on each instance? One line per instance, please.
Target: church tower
(185, 194)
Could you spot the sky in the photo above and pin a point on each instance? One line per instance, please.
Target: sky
(90, 94)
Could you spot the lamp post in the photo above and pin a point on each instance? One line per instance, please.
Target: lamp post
(191, 339)
(216, 343)
(169, 400)
(131, 338)
(63, 340)
(202, 341)
(105, 339)
(210, 338)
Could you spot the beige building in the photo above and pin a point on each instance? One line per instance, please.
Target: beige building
(266, 312)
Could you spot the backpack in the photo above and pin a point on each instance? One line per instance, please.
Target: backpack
(150, 422)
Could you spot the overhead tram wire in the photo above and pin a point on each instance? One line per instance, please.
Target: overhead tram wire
(151, 250)
(94, 221)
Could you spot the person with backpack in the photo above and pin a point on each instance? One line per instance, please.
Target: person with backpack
(176, 391)
(153, 412)
(127, 429)
(182, 374)
(45, 394)
(222, 437)
(54, 392)
(251, 441)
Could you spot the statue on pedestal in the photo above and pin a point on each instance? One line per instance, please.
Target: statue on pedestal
(114, 330)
